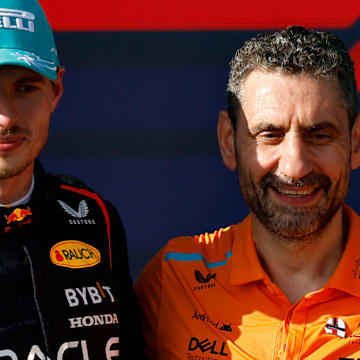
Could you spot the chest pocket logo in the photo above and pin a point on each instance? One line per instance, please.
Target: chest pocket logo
(82, 212)
(74, 254)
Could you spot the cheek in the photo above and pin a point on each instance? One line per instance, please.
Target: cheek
(264, 157)
(256, 161)
(332, 160)
(37, 124)
(37, 117)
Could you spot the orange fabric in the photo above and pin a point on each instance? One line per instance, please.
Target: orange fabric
(208, 298)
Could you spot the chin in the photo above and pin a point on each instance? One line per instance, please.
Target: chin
(9, 169)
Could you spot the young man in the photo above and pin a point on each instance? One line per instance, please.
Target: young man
(285, 282)
(66, 288)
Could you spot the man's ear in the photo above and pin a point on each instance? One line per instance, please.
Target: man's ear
(57, 88)
(355, 144)
(226, 138)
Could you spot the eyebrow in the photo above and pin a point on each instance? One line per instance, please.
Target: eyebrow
(322, 126)
(265, 126)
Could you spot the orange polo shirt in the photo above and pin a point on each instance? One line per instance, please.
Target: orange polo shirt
(208, 298)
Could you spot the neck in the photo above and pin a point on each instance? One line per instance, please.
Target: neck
(16, 187)
(309, 264)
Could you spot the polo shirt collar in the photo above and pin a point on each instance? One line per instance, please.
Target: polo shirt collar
(246, 266)
(347, 275)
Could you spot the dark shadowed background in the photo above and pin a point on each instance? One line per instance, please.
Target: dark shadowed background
(142, 92)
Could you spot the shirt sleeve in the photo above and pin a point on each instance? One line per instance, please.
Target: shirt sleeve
(148, 288)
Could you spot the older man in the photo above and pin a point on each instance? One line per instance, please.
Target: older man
(66, 289)
(285, 282)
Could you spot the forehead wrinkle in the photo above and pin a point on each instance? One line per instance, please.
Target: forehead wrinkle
(261, 102)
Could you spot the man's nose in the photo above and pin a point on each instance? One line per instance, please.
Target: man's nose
(295, 159)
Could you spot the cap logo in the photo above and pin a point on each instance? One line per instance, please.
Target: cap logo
(34, 60)
(74, 254)
(17, 20)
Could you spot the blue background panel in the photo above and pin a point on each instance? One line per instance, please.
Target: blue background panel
(138, 124)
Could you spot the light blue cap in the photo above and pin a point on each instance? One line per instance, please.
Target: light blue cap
(26, 38)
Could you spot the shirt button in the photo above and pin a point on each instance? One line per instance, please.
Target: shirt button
(270, 289)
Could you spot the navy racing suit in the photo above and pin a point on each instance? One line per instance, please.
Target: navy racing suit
(66, 291)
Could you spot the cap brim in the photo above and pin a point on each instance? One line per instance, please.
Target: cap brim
(28, 60)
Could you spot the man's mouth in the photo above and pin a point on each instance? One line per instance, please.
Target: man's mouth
(296, 192)
(8, 139)
(10, 143)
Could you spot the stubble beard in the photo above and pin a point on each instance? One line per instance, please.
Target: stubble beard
(10, 171)
(293, 223)
(10, 165)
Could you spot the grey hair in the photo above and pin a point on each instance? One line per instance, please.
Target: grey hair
(294, 51)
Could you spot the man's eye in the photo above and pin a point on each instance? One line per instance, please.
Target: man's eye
(319, 138)
(269, 136)
(26, 88)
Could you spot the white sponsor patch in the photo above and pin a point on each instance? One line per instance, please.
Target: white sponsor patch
(65, 349)
(93, 320)
(88, 295)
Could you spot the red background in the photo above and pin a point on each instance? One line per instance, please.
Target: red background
(130, 15)
(78, 15)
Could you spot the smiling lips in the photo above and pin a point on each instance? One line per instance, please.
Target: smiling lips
(8, 144)
(296, 191)
(296, 195)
